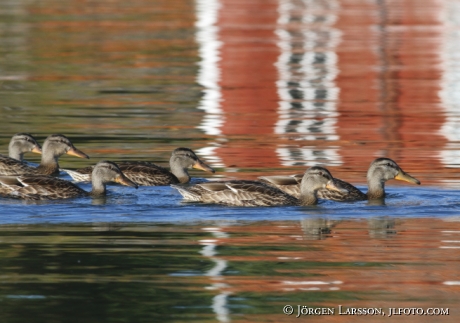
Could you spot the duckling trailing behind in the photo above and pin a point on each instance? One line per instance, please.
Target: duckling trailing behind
(380, 171)
(149, 174)
(53, 147)
(255, 193)
(51, 188)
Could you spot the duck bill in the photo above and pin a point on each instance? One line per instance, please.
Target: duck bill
(37, 150)
(123, 180)
(202, 166)
(333, 186)
(77, 153)
(402, 176)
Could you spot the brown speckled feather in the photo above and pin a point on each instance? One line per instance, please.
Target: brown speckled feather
(149, 174)
(81, 174)
(10, 166)
(144, 173)
(256, 193)
(354, 194)
(46, 187)
(39, 187)
(140, 172)
(237, 193)
(291, 185)
(288, 184)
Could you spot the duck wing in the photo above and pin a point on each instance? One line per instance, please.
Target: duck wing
(237, 193)
(289, 184)
(353, 194)
(140, 172)
(81, 174)
(39, 187)
(10, 167)
(147, 174)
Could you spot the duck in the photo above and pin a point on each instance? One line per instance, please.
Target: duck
(54, 146)
(148, 174)
(380, 171)
(256, 193)
(20, 144)
(42, 187)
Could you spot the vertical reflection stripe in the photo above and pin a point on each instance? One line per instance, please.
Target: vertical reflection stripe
(209, 73)
(450, 84)
(306, 85)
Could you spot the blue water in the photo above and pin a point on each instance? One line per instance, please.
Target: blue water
(165, 205)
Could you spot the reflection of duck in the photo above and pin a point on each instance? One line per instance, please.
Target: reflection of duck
(47, 187)
(381, 227)
(20, 144)
(254, 193)
(380, 171)
(317, 228)
(53, 147)
(149, 174)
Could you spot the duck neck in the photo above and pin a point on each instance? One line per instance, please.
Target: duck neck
(98, 186)
(16, 151)
(180, 172)
(49, 164)
(376, 189)
(16, 154)
(308, 196)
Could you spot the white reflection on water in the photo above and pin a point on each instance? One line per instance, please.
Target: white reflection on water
(209, 72)
(455, 246)
(220, 301)
(211, 157)
(307, 68)
(309, 156)
(317, 285)
(450, 83)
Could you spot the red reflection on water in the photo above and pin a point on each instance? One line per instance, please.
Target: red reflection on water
(388, 262)
(390, 80)
(248, 75)
(388, 74)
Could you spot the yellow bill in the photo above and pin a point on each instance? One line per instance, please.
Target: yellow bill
(37, 150)
(334, 186)
(202, 166)
(123, 180)
(77, 153)
(402, 176)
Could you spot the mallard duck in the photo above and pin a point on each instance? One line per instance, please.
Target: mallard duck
(53, 147)
(149, 174)
(20, 144)
(380, 171)
(42, 187)
(255, 193)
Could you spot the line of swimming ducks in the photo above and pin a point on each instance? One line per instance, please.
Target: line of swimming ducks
(21, 180)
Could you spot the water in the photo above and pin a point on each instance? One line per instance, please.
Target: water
(254, 87)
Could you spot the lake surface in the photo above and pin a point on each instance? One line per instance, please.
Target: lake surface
(254, 87)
